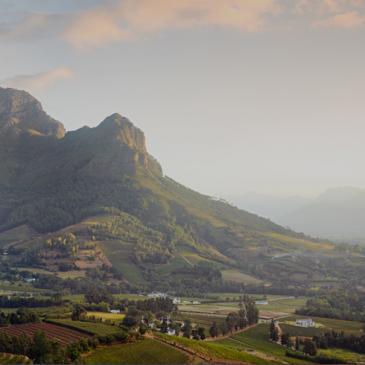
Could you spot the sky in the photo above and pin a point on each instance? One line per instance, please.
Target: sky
(233, 95)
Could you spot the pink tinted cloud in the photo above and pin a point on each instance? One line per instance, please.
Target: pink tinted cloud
(131, 18)
(351, 19)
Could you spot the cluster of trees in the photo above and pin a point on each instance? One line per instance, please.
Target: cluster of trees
(21, 302)
(341, 340)
(67, 244)
(21, 316)
(197, 333)
(41, 350)
(247, 315)
(146, 309)
(154, 305)
(341, 304)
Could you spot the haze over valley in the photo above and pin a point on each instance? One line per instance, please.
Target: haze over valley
(181, 182)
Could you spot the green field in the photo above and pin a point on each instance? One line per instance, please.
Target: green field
(96, 328)
(212, 309)
(201, 320)
(239, 277)
(283, 304)
(107, 316)
(257, 340)
(301, 331)
(344, 355)
(215, 350)
(142, 352)
(14, 359)
(334, 324)
(119, 253)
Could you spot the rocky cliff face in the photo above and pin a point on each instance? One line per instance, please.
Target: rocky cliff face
(20, 113)
(32, 142)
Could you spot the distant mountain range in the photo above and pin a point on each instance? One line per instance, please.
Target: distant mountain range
(337, 214)
(95, 198)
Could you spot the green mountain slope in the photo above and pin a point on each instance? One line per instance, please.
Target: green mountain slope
(95, 199)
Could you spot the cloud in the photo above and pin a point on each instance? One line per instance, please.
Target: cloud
(132, 18)
(26, 26)
(351, 19)
(40, 81)
(95, 28)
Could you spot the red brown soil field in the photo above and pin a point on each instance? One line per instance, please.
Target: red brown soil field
(53, 332)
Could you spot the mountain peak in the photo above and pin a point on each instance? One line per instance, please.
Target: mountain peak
(123, 131)
(21, 113)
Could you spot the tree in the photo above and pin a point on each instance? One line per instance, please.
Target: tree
(201, 333)
(129, 321)
(310, 347)
(40, 348)
(213, 330)
(187, 328)
(274, 333)
(164, 326)
(297, 343)
(232, 321)
(78, 312)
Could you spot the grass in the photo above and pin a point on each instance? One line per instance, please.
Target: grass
(130, 296)
(200, 320)
(301, 331)
(212, 309)
(119, 254)
(344, 356)
(14, 359)
(257, 339)
(286, 305)
(215, 350)
(141, 352)
(334, 324)
(239, 277)
(301, 243)
(106, 316)
(73, 274)
(96, 328)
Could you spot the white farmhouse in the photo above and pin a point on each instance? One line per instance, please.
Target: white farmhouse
(307, 322)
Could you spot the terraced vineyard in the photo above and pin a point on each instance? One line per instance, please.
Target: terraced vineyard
(95, 328)
(64, 336)
(142, 352)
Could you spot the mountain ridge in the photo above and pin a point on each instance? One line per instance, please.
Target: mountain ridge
(98, 190)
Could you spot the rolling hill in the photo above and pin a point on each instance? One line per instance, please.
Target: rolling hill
(337, 214)
(95, 199)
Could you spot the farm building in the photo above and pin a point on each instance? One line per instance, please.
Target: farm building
(307, 322)
(266, 318)
(261, 302)
(156, 295)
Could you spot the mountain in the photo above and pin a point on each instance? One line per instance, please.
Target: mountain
(269, 206)
(338, 214)
(95, 202)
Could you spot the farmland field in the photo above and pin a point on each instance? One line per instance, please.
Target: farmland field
(283, 304)
(212, 309)
(60, 334)
(239, 277)
(96, 328)
(216, 350)
(257, 340)
(344, 355)
(199, 319)
(142, 352)
(333, 324)
(107, 316)
(119, 254)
